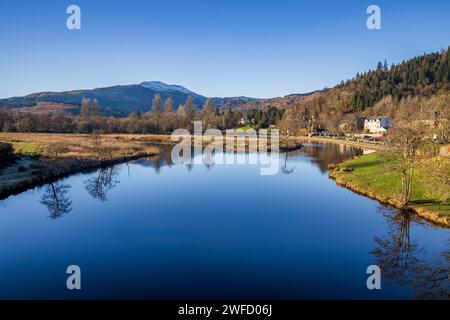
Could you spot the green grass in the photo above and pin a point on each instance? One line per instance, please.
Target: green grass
(245, 128)
(374, 173)
(28, 148)
(368, 174)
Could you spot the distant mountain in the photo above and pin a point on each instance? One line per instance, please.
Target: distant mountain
(244, 104)
(121, 99)
(164, 87)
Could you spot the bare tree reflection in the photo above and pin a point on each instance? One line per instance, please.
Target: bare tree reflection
(395, 253)
(284, 167)
(402, 261)
(158, 160)
(99, 186)
(433, 282)
(56, 199)
(209, 160)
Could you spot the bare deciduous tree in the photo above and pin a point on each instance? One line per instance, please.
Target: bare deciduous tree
(156, 104)
(103, 151)
(209, 115)
(440, 106)
(404, 140)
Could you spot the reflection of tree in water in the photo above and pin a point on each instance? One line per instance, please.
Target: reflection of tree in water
(56, 199)
(433, 282)
(398, 256)
(322, 155)
(284, 167)
(208, 159)
(330, 153)
(157, 161)
(395, 253)
(99, 186)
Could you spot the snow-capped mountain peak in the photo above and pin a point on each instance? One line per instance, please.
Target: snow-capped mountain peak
(162, 87)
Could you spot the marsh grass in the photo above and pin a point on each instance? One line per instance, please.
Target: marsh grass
(80, 145)
(41, 158)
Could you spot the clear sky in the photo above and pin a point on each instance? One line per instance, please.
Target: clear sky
(257, 48)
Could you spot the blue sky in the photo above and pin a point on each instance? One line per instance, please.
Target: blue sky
(213, 47)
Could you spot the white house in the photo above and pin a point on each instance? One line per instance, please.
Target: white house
(377, 124)
(244, 120)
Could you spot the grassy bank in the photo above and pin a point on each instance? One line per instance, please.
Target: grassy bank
(373, 176)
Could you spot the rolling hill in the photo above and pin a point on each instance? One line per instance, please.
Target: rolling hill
(421, 76)
(119, 100)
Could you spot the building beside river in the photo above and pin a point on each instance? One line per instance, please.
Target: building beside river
(377, 124)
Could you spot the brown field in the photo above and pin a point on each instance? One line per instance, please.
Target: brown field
(83, 145)
(42, 158)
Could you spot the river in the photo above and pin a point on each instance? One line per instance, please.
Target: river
(153, 230)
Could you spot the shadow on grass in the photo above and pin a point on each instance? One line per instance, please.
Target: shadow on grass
(434, 204)
(365, 164)
(427, 201)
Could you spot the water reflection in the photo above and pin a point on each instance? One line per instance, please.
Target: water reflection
(401, 258)
(157, 161)
(324, 154)
(56, 199)
(99, 186)
(395, 253)
(432, 281)
(285, 168)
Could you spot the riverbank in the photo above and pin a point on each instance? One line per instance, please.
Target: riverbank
(365, 145)
(370, 176)
(40, 158)
(43, 158)
(28, 173)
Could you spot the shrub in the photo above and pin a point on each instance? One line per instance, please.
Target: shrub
(6, 154)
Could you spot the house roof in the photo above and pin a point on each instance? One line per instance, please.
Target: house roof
(379, 117)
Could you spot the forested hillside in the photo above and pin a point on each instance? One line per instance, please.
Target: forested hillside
(420, 86)
(386, 89)
(424, 75)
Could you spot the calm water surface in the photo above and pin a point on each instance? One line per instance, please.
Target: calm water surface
(149, 229)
